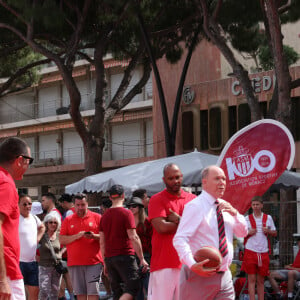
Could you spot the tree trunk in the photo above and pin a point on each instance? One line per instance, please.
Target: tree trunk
(282, 109)
(214, 32)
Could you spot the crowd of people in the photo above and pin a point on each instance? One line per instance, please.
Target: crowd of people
(139, 249)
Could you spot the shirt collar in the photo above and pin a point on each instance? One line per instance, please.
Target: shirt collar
(211, 200)
(171, 196)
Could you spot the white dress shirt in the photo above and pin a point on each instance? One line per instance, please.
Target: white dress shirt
(198, 227)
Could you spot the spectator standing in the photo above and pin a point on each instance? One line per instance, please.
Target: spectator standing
(165, 209)
(104, 206)
(290, 273)
(49, 205)
(31, 230)
(257, 246)
(67, 204)
(208, 221)
(119, 242)
(142, 194)
(14, 161)
(144, 231)
(80, 234)
(49, 278)
(68, 209)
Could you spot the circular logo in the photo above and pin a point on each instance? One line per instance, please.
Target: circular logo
(188, 95)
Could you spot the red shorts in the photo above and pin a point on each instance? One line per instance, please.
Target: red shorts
(256, 263)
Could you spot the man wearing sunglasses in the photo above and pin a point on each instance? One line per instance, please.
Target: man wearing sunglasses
(15, 157)
(31, 230)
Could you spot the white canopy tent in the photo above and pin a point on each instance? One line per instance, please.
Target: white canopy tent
(148, 175)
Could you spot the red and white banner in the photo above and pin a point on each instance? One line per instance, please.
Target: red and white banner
(253, 159)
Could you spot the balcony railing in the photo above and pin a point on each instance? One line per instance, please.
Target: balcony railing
(11, 114)
(76, 155)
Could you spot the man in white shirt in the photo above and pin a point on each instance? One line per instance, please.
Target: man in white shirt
(198, 227)
(257, 246)
(31, 229)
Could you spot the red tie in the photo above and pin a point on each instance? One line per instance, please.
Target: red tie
(221, 228)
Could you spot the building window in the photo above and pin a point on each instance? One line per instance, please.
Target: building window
(232, 128)
(244, 115)
(215, 128)
(187, 131)
(203, 129)
(263, 108)
(295, 116)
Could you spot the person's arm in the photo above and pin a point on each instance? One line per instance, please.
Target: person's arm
(162, 225)
(240, 227)
(173, 217)
(5, 291)
(40, 231)
(62, 251)
(137, 246)
(290, 267)
(102, 250)
(271, 229)
(67, 239)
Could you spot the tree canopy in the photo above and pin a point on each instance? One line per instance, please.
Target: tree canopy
(63, 30)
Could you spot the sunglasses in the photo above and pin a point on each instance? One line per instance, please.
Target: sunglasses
(27, 157)
(27, 204)
(51, 222)
(133, 206)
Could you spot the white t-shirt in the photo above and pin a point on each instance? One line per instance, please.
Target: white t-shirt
(259, 242)
(69, 212)
(28, 228)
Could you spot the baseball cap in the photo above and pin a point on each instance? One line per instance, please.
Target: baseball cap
(116, 190)
(135, 200)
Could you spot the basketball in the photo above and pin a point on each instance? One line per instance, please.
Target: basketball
(211, 253)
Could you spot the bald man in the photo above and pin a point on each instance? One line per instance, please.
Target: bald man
(165, 209)
(202, 224)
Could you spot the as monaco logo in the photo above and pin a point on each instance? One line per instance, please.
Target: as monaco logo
(253, 159)
(243, 164)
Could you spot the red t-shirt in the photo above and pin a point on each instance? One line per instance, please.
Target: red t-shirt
(84, 251)
(114, 224)
(10, 227)
(164, 254)
(296, 263)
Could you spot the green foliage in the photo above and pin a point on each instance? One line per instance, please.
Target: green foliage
(16, 60)
(266, 60)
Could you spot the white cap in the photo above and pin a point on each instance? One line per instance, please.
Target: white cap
(36, 208)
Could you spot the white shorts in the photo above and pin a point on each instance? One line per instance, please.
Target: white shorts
(17, 289)
(163, 284)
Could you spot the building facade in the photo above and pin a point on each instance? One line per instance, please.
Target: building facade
(40, 116)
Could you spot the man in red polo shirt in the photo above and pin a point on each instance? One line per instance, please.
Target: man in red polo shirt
(14, 161)
(80, 233)
(165, 209)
